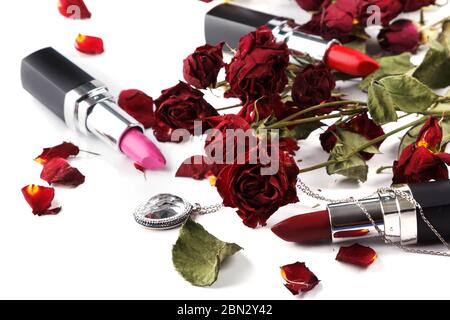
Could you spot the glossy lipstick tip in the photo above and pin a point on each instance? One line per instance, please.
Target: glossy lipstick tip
(350, 61)
(306, 228)
(141, 150)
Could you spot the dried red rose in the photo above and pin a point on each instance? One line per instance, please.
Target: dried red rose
(222, 140)
(310, 5)
(360, 124)
(89, 44)
(74, 9)
(199, 168)
(64, 150)
(389, 10)
(258, 196)
(40, 199)
(357, 255)
(289, 145)
(59, 172)
(423, 161)
(179, 108)
(413, 5)
(401, 36)
(259, 67)
(138, 105)
(298, 278)
(201, 68)
(340, 17)
(317, 26)
(262, 108)
(313, 85)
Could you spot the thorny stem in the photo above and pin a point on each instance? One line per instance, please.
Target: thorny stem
(365, 146)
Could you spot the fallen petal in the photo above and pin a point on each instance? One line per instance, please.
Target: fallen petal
(40, 199)
(357, 255)
(199, 168)
(73, 9)
(89, 44)
(59, 172)
(298, 278)
(64, 150)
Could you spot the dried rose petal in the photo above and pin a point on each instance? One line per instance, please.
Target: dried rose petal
(58, 171)
(138, 105)
(357, 255)
(40, 199)
(64, 150)
(139, 167)
(89, 44)
(199, 168)
(298, 278)
(73, 9)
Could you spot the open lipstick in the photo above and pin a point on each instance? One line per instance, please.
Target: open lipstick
(86, 105)
(228, 23)
(398, 218)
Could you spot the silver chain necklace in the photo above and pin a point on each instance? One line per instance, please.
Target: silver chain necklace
(307, 190)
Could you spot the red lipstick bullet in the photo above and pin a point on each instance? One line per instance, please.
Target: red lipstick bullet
(228, 23)
(397, 217)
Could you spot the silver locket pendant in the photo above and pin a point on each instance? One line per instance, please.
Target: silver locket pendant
(167, 211)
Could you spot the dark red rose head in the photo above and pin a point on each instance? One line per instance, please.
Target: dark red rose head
(361, 125)
(202, 67)
(341, 16)
(259, 67)
(258, 196)
(401, 36)
(138, 105)
(388, 11)
(180, 107)
(310, 5)
(262, 108)
(413, 5)
(423, 161)
(313, 85)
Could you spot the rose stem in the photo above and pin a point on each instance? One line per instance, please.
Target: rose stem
(90, 152)
(381, 169)
(230, 107)
(320, 106)
(366, 145)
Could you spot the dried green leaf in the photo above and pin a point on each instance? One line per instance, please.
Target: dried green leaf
(408, 93)
(380, 104)
(389, 66)
(197, 255)
(302, 131)
(354, 141)
(434, 71)
(354, 167)
(445, 125)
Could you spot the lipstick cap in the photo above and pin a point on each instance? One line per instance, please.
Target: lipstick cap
(49, 76)
(228, 23)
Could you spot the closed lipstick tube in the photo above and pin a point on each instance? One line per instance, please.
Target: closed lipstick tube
(86, 105)
(228, 23)
(397, 217)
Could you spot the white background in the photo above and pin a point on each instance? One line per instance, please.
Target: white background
(94, 249)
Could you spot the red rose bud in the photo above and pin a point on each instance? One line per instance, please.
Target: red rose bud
(74, 9)
(202, 67)
(422, 161)
(262, 108)
(361, 125)
(179, 108)
(138, 105)
(59, 172)
(258, 196)
(413, 5)
(310, 5)
(298, 278)
(313, 85)
(89, 44)
(401, 36)
(357, 255)
(40, 199)
(259, 67)
(389, 10)
(64, 150)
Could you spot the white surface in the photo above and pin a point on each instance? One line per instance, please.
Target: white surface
(94, 249)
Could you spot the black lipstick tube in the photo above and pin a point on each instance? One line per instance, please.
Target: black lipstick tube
(397, 217)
